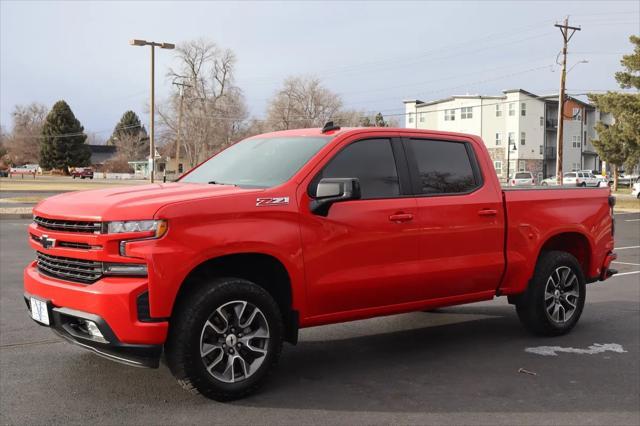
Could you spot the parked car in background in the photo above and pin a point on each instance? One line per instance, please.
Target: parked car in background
(600, 180)
(82, 173)
(27, 169)
(635, 191)
(550, 181)
(623, 180)
(522, 179)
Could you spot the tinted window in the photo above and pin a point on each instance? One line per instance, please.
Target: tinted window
(372, 162)
(523, 176)
(258, 162)
(569, 175)
(443, 167)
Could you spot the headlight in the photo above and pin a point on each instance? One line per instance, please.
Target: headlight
(159, 227)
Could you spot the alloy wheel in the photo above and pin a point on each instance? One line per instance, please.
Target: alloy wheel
(234, 341)
(561, 295)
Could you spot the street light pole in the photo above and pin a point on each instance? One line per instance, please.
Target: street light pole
(152, 142)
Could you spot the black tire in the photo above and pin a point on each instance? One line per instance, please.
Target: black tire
(583, 184)
(544, 184)
(531, 306)
(183, 343)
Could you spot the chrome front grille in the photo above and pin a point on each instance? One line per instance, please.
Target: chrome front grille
(67, 244)
(69, 225)
(78, 270)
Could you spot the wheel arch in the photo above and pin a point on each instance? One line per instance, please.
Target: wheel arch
(265, 270)
(573, 242)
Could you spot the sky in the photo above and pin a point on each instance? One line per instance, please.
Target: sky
(373, 54)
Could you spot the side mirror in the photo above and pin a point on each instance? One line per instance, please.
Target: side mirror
(333, 190)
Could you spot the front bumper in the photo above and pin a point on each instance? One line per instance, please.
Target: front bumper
(67, 323)
(112, 304)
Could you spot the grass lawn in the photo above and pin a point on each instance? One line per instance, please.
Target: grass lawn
(61, 184)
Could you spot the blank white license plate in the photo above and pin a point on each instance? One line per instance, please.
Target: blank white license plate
(39, 311)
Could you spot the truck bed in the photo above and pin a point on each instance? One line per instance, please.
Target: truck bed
(534, 216)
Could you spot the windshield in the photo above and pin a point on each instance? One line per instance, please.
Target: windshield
(258, 162)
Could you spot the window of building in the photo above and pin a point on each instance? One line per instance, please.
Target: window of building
(444, 167)
(577, 114)
(498, 139)
(523, 109)
(522, 165)
(511, 139)
(498, 166)
(410, 117)
(422, 117)
(575, 141)
(466, 112)
(512, 109)
(372, 162)
(498, 110)
(576, 166)
(449, 114)
(541, 149)
(541, 121)
(523, 138)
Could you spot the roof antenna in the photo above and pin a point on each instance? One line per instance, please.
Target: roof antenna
(329, 126)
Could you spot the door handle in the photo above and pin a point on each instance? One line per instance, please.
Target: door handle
(488, 212)
(401, 217)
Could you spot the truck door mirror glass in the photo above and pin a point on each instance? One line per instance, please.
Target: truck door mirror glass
(333, 190)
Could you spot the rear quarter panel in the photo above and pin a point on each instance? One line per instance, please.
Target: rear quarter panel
(535, 216)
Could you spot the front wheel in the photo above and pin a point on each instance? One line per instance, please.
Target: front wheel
(554, 301)
(224, 338)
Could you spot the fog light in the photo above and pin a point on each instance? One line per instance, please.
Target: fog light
(94, 331)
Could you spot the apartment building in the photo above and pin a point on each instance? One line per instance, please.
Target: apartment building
(518, 127)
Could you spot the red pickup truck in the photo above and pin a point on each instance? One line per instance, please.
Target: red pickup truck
(301, 228)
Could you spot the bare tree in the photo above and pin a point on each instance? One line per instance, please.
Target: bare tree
(302, 102)
(23, 144)
(213, 108)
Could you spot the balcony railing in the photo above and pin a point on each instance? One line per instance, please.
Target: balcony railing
(550, 152)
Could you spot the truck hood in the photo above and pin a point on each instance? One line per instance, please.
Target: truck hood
(127, 202)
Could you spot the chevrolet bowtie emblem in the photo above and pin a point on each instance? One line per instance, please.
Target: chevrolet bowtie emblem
(47, 242)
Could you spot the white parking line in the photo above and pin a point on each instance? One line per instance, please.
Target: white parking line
(627, 263)
(626, 248)
(626, 273)
(632, 220)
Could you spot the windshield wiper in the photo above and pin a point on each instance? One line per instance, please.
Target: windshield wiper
(214, 182)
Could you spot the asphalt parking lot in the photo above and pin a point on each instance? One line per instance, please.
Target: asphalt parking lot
(460, 365)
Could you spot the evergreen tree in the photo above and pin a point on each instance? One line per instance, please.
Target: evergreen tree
(129, 125)
(619, 143)
(130, 137)
(380, 120)
(63, 140)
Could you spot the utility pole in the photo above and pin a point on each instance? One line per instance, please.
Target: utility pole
(181, 86)
(567, 33)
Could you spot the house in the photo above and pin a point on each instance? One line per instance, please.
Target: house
(518, 120)
(100, 154)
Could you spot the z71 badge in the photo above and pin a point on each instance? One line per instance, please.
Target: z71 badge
(274, 201)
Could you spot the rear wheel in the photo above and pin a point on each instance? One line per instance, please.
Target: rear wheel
(554, 301)
(224, 339)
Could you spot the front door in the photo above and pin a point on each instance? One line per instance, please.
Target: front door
(365, 252)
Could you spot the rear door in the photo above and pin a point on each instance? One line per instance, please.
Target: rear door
(461, 219)
(364, 253)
